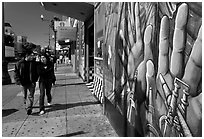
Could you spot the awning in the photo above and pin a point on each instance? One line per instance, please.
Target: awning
(79, 10)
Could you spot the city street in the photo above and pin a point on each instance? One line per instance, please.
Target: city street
(75, 112)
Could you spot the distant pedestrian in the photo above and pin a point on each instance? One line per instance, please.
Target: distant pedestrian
(53, 58)
(26, 75)
(61, 58)
(66, 60)
(46, 79)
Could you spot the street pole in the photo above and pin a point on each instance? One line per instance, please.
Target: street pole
(49, 39)
(49, 26)
(5, 75)
(55, 32)
(55, 35)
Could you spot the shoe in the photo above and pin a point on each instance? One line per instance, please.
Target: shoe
(29, 111)
(41, 112)
(49, 104)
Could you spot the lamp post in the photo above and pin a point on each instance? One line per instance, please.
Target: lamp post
(5, 75)
(51, 25)
(55, 33)
(42, 18)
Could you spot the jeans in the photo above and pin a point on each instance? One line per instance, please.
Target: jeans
(45, 87)
(31, 88)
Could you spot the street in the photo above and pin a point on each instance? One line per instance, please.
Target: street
(75, 112)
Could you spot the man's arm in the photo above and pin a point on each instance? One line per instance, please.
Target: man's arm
(17, 74)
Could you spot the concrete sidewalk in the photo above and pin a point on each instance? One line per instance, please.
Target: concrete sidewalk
(75, 112)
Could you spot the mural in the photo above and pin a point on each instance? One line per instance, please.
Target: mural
(153, 66)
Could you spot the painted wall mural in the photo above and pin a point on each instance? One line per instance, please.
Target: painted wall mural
(153, 66)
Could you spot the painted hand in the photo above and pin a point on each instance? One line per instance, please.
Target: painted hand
(191, 73)
(138, 53)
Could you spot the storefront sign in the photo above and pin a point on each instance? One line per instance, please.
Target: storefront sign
(64, 33)
(58, 47)
(9, 51)
(21, 39)
(61, 24)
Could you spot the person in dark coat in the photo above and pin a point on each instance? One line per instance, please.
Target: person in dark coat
(25, 74)
(46, 79)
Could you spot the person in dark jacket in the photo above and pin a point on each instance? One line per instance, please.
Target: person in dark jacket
(26, 75)
(46, 79)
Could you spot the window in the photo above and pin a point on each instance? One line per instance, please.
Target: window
(99, 46)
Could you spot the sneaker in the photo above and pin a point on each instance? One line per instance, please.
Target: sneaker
(41, 112)
(29, 111)
(49, 104)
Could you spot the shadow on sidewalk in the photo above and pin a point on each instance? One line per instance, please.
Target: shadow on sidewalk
(69, 78)
(6, 112)
(73, 134)
(56, 107)
(60, 85)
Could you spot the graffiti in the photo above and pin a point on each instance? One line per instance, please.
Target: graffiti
(153, 60)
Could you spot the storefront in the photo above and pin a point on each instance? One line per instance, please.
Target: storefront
(89, 49)
(82, 48)
(85, 50)
(99, 20)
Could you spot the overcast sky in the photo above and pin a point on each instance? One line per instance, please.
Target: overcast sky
(25, 20)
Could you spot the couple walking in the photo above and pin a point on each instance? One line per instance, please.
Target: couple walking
(30, 69)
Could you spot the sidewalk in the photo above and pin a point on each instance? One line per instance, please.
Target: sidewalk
(75, 112)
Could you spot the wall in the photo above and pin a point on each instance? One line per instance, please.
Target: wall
(126, 48)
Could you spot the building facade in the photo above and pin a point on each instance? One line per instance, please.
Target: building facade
(125, 30)
(113, 46)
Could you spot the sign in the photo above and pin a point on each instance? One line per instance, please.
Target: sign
(21, 39)
(64, 33)
(9, 51)
(58, 46)
(61, 24)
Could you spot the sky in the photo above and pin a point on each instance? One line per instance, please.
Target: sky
(25, 20)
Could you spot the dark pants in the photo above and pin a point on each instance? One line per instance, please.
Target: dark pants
(31, 88)
(45, 87)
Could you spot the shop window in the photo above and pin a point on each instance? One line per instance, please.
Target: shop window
(99, 48)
